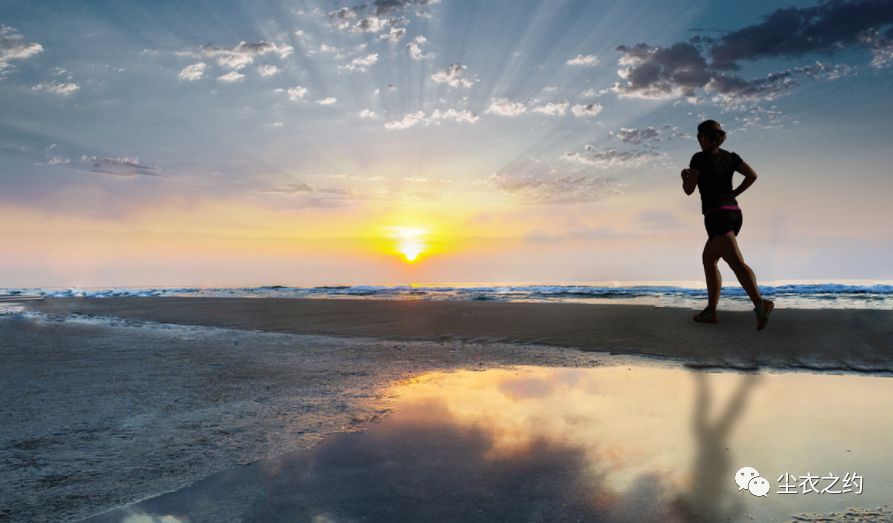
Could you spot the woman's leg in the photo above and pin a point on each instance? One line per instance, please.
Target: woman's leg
(727, 247)
(710, 257)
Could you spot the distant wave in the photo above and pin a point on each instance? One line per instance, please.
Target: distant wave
(817, 295)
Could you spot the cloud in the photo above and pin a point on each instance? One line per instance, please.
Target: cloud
(880, 45)
(609, 157)
(681, 69)
(118, 166)
(394, 35)
(678, 71)
(372, 24)
(420, 118)
(329, 100)
(636, 136)
(342, 18)
(454, 115)
(373, 17)
(414, 48)
(661, 73)
(59, 88)
(55, 160)
(241, 55)
(231, 77)
(367, 114)
(360, 64)
(648, 136)
(454, 76)
(793, 31)
(13, 47)
(387, 6)
(586, 110)
(367, 18)
(193, 72)
(323, 48)
(584, 60)
(408, 120)
(539, 184)
(593, 93)
(267, 70)
(553, 108)
(296, 93)
(506, 107)
(313, 196)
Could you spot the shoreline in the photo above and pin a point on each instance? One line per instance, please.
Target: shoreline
(821, 340)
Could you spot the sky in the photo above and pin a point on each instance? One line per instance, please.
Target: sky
(233, 143)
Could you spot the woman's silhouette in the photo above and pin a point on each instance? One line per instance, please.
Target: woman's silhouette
(711, 172)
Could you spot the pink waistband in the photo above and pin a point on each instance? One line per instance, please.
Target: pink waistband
(708, 212)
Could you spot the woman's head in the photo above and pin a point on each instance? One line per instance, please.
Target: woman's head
(710, 135)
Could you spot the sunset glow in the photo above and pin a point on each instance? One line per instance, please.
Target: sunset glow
(395, 141)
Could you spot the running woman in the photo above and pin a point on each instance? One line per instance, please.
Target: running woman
(711, 172)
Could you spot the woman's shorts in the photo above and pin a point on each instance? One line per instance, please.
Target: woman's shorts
(721, 222)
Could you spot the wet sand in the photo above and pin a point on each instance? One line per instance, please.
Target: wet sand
(615, 444)
(848, 340)
(97, 414)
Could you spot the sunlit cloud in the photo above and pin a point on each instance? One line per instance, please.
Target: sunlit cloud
(58, 88)
(193, 72)
(267, 70)
(14, 47)
(241, 55)
(367, 114)
(420, 118)
(394, 35)
(231, 77)
(329, 100)
(416, 51)
(296, 93)
(586, 110)
(880, 46)
(360, 64)
(583, 60)
(553, 108)
(506, 107)
(455, 76)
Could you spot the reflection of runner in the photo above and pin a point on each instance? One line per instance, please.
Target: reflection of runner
(708, 499)
(711, 172)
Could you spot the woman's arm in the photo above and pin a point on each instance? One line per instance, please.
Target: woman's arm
(750, 176)
(689, 180)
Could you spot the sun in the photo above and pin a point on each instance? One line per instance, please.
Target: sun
(409, 241)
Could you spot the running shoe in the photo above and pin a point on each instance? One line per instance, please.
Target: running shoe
(763, 312)
(706, 316)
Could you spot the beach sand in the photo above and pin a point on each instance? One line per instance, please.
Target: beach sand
(110, 401)
(849, 340)
(97, 414)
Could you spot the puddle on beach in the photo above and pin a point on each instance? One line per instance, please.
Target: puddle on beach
(618, 443)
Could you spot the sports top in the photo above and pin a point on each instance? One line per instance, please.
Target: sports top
(715, 179)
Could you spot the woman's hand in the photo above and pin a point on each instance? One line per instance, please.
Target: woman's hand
(689, 180)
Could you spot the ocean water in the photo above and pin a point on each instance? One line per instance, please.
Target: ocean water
(803, 295)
